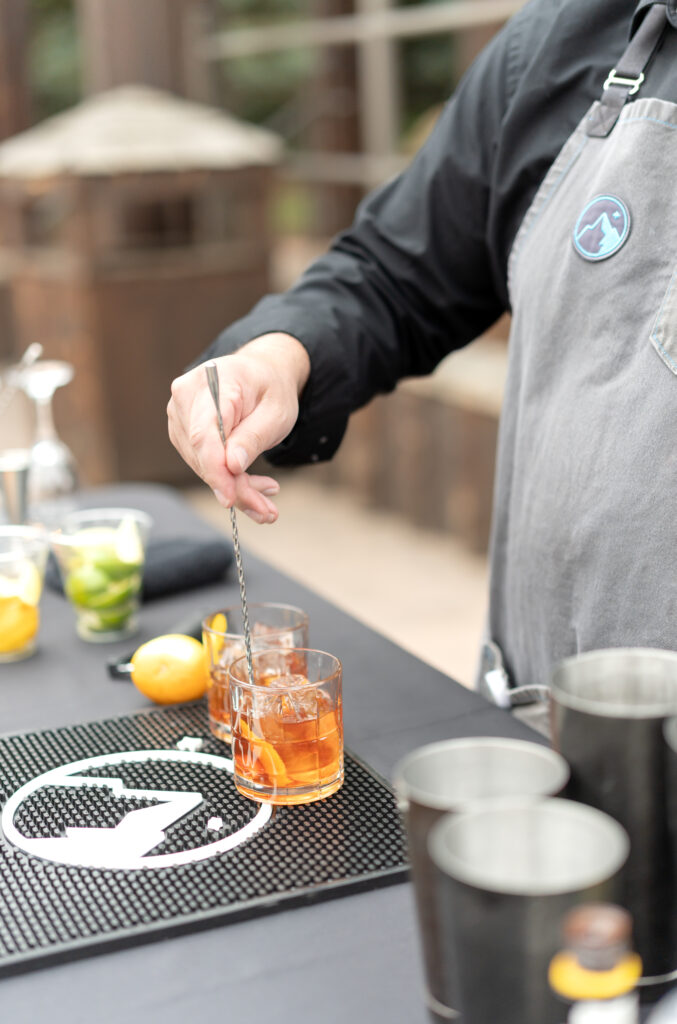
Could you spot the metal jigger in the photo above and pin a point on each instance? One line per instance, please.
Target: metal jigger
(213, 382)
(14, 470)
(15, 462)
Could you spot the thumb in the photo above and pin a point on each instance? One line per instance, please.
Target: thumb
(265, 427)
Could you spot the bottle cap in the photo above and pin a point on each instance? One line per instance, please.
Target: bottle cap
(599, 934)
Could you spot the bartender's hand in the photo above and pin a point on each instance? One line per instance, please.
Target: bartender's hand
(260, 386)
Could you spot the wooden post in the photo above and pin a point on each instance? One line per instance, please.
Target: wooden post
(14, 91)
(150, 42)
(378, 87)
(335, 128)
(15, 115)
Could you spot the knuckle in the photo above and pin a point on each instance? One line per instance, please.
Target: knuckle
(176, 387)
(196, 436)
(254, 441)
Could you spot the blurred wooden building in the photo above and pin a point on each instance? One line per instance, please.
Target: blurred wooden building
(135, 228)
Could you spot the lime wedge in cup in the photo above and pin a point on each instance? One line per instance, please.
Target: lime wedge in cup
(101, 554)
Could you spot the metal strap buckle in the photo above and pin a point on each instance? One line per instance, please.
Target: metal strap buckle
(615, 79)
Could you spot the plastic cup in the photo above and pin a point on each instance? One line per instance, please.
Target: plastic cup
(101, 555)
(23, 556)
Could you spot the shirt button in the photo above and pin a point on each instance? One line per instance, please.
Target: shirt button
(324, 439)
(314, 457)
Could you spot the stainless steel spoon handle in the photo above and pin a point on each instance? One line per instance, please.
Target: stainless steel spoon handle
(213, 382)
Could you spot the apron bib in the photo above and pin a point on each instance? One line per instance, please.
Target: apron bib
(584, 543)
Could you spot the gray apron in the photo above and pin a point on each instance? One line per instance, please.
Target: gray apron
(584, 543)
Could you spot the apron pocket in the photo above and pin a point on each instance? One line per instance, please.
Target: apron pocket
(664, 333)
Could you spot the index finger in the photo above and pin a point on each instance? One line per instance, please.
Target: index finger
(205, 440)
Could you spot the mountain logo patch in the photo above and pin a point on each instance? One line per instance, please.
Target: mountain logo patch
(602, 228)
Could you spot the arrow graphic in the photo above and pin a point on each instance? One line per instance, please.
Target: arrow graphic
(139, 832)
(127, 844)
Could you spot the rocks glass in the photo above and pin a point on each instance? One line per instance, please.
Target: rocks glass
(272, 625)
(287, 726)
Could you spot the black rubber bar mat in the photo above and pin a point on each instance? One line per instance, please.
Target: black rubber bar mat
(148, 803)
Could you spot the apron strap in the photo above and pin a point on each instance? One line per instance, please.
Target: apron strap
(672, 12)
(626, 78)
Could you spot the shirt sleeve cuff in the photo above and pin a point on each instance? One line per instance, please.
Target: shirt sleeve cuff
(324, 403)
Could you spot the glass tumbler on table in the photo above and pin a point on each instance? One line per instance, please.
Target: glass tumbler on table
(272, 625)
(287, 726)
(101, 554)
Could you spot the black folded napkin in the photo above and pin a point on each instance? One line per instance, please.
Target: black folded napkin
(172, 565)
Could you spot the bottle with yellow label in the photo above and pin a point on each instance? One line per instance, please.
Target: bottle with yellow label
(597, 971)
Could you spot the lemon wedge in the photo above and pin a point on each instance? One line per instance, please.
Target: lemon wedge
(214, 644)
(18, 624)
(219, 623)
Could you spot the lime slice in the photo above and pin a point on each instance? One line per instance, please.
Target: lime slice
(25, 582)
(116, 593)
(128, 542)
(103, 621)
(85, 584)
(94, 546)
(116, 551)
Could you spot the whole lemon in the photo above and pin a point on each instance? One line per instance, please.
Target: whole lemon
(170, 669)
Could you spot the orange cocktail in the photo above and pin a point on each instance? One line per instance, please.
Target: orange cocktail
(272, 625)
(287, 728)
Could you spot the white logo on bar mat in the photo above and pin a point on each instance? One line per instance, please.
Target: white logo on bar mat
(128, 844)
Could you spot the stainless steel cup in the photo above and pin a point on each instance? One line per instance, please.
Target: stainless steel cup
(608, 713)
(509, 872)
(445, 777)
(14, 470)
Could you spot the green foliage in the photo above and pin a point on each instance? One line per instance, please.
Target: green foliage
(427, 75)
(54, 59)
(257, 88)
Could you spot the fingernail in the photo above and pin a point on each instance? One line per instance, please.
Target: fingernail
(220, 498)
(256, 516)
(240, 458)
(270, 491)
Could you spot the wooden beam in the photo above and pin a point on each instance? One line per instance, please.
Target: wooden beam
(397, 23)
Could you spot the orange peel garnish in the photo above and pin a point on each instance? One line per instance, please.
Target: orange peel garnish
(265, 753)
(213, 643)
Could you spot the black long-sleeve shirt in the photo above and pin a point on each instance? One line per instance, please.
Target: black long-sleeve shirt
(422, 270)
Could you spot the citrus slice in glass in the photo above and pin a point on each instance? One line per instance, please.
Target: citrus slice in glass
(18, 624)
(25, 582)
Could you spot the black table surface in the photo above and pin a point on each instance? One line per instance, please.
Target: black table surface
(351, 959)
